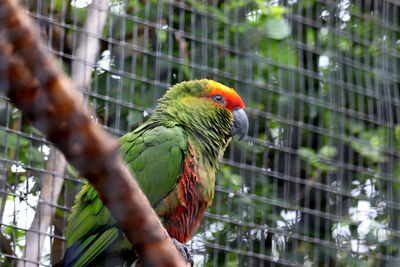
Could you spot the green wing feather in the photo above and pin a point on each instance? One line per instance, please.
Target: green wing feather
(156, 159)
(155, 154)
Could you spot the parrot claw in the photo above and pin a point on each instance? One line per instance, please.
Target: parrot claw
(184, 250)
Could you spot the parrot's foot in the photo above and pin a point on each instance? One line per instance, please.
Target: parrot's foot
(184, 250)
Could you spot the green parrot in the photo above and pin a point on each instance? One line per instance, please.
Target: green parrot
(174, 157)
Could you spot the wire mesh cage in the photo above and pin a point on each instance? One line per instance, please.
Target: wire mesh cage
(315, 181)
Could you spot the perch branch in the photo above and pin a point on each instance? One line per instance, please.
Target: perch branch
(82, 66)
(37, 86)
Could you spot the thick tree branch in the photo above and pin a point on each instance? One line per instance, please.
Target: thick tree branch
(82, 66)
(37, 86)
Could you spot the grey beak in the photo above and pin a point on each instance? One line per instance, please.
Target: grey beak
(240, 124)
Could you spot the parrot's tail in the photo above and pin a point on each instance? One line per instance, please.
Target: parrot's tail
(93, 251)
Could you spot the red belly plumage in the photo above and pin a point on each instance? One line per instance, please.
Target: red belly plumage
(186, 217)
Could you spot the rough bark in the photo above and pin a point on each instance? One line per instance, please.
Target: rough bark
(82, 66)
(37, 86)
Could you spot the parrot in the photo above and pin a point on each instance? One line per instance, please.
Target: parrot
(174, 157)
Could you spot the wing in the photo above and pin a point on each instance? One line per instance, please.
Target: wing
(155, 154)
(156, 159)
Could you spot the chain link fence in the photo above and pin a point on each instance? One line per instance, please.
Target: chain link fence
(317, 180)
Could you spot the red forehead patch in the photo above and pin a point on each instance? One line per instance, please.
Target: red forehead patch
(233, 100)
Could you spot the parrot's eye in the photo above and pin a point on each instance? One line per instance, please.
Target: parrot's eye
(219, 99)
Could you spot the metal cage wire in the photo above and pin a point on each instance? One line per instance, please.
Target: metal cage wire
(314, 182)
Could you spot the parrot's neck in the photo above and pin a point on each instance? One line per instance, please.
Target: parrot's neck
(206, 152)
(208, 129)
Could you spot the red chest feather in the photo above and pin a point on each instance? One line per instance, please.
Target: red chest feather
(186, 217)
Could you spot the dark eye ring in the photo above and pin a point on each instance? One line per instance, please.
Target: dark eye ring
(219, 99)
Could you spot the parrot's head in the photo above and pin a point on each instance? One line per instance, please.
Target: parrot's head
(206, 108)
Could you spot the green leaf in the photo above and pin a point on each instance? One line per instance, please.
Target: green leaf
(277, 28)
(277, 12)
(307, 153)
(328, 152)
(12, 140)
